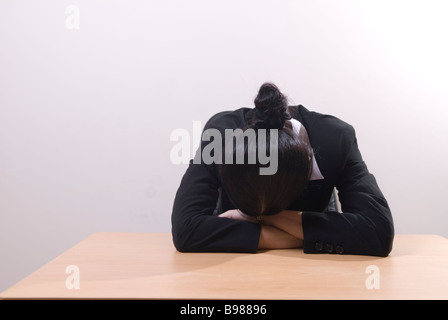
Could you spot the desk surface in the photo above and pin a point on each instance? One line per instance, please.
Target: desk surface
(146, 265)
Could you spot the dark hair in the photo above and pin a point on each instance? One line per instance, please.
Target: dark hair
(255, 194)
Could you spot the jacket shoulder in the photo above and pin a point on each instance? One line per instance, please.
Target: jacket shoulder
(228, 119)
(326, 132)
(331, 139)
(315, 120)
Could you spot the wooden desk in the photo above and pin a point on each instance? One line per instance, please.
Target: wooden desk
(146, 265)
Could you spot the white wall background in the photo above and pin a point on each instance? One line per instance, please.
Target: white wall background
(86, 115)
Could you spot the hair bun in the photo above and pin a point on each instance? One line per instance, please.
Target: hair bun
(270, 108)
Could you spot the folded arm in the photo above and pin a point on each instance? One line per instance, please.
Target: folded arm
(364, 227)
(279, 231)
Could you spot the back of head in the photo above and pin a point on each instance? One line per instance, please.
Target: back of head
(251, 192)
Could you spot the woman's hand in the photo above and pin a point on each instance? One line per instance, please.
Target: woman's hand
(289, 221)
(273, 238)
(282, 230)
(236, 214)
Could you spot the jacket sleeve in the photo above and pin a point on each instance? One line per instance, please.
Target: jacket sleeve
(195, 228)
(365, 225)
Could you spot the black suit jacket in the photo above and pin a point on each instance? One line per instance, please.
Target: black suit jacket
(365, 225)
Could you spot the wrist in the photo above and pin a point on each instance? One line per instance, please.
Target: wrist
(273, 238)
(247, 217)
(289, 221)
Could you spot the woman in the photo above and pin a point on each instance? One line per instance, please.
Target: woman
(230, 207)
